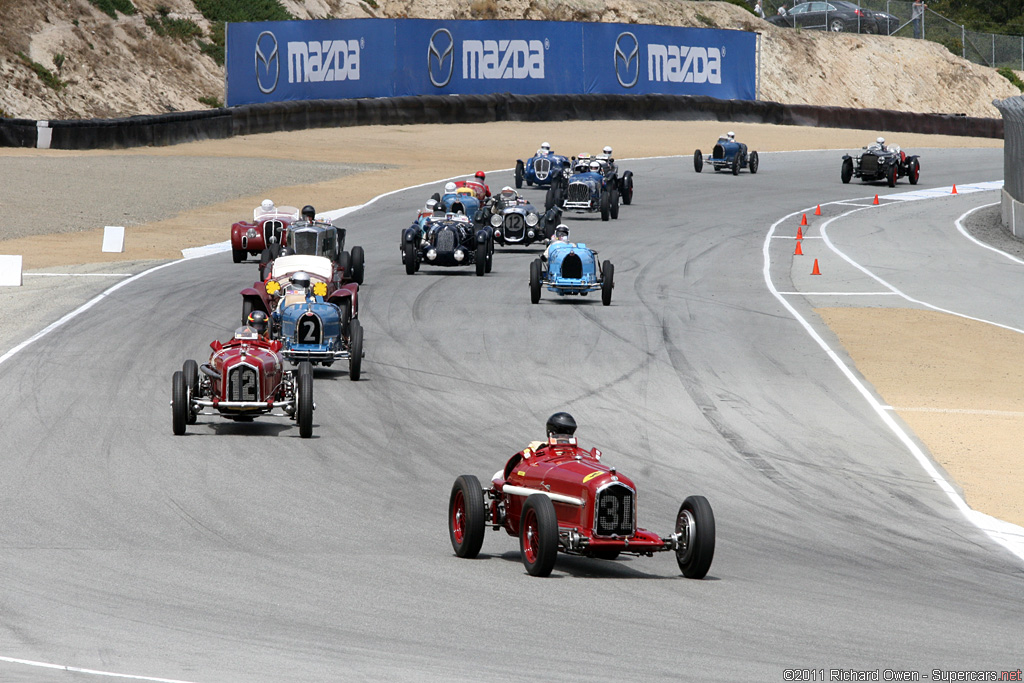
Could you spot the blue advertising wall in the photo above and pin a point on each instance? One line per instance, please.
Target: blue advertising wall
(354, 58)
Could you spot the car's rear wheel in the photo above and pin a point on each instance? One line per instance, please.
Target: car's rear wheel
(179, 403)
(466, 516)
(538, 535)
(847, 171)
(752, 162)
(892, 175)
(238, 255)
(410, 258)
(535, 281)
(605, 205)
(837, 26)
(698, 161)
(695, 525)
(345, 315)
(304, 394)
(551, 197)
(247, 307)
(358, 260)
(344, 263)
(355, 350)
(519, 174)
(607, 282)
(627, 188)
(490, 254)
(191, 371)
(915, 171)
(613, 205)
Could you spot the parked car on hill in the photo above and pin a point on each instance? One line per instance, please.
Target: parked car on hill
(834, 15)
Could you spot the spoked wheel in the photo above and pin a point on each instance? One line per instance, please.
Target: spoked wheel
(519, 174)
(695, 525)
(191, 371)
(538, 535)
(535, 281)
(358, 260)
(752, 162)
(179, 403)
(410, 258)
(481, 259)
(698, 161)
(736, 164)
(607, 282)
(355, 350)
(304, 394)
(847, 171)
(466, 517)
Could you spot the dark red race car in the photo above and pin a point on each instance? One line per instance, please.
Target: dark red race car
(244, 378)
(558, 497)
(269, 226)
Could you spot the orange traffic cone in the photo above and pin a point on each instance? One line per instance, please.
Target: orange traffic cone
(815, 271)
(817, 210)
(803, 221)
(876, 199)
(954, 189)
(799, 251)
(799, 233)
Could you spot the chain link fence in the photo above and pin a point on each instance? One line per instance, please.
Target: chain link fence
(1012, 109)
(895, 17)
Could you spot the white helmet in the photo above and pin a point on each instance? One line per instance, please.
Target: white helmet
(595, 166)
(267, 205)
(507, 192)
(449, 188)
(562, 233)
(880, 141)
(607, 150)
(546, 146)
(431, 203)
(732, 136)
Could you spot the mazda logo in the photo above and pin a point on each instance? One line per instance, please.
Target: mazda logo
(627, 59)
(440, 49)
(270, 58)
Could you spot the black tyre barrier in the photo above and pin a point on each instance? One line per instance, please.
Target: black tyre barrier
(169, 129)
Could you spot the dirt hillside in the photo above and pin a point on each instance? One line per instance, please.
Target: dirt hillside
(107, 67)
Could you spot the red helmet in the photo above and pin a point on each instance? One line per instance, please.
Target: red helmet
(480, 175)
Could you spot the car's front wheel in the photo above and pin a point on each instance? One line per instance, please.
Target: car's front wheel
(607, 282)
(753, 162)
(358, 262)
(355, 350)
(613, 204)
(892, 175)
(238, 255)
(191, 371)
(695, 524)
(410, 258)
(304, 395)
(914, 173)
(179, 403)
(698, 161)
(519, 174)
(535, 281)
(847, 171)
(538, 535)
(605, 205)
(466, 516)
(837, 26)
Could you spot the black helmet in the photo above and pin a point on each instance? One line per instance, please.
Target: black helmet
(258, 321)
(561, 423)
(308, 212)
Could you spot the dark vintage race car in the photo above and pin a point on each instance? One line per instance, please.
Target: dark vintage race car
(244, 378)
(515, 221)
(571, 269)
(317, 329)
(593, 186)
(317, 238)
(269, 226)
(541, 169)
(879, 162)
(556, 496)
(325, 278)
(727, 154)
(447, 240)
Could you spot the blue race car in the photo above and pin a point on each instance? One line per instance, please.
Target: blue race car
(589, 189)
(320, 332)
(461, 200)
(571, 269)
(727, 154)
(541, 169)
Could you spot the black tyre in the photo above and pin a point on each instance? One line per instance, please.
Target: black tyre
(490, 254)
(698, 161)
(607, 282)
(535, 281)
(538, 535)
(627, 190)
(519, 174)
(247, 307)
(358, 259)
(752, 162)
(914, 172)
(344, 263)
(892, 175)
(695, 523)
(355, 350)
(837, 26)
(605, 205)
(847, 171)
(179, 403)
(613, 205)
(481, 259)
(466, 516)
(410, 258)
(550, 198)
(304, 393)
(345, 317)
(238, 255)
(191, 371)
(735, 164)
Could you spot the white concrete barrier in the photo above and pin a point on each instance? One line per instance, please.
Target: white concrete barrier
(10, 271)
(43, 134)
(113, 238)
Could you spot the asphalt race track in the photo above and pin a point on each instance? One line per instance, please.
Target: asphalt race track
(240, 552)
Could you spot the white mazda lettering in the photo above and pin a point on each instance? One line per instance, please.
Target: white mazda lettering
(684, 64)
(317, 61)
(502, 59)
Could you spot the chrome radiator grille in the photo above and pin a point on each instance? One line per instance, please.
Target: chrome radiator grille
(578, 192)
(541, 168)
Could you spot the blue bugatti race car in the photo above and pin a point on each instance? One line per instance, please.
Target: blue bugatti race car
(571, 269)
(541, 169)
(319, 331)
(727, 154)
(458, 200)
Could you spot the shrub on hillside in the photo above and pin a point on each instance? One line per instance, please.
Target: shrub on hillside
(112, 7)
(1009, 75)
(45, 75)
(220, 11)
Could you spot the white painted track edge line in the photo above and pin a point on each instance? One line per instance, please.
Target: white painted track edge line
(94, 672)
(1005, 534)
(839, 293)
(963, 231)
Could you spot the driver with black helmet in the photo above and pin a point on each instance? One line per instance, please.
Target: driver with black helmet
(259, 322)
